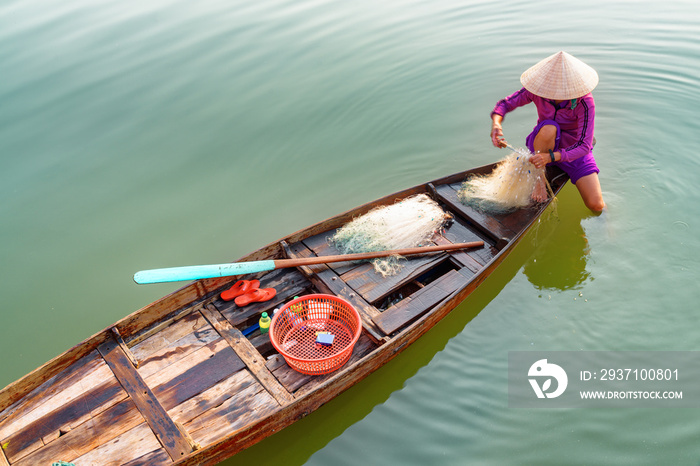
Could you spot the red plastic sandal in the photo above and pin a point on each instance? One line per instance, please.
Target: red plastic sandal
(240, 288)
(256, 296)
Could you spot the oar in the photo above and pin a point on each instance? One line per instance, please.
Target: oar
(197, 272)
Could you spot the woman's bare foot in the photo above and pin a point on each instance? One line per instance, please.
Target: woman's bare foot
(539, 193)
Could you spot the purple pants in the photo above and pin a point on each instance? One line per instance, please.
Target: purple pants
(576, 169)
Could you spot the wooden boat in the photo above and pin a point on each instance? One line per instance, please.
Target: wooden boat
(177, 382)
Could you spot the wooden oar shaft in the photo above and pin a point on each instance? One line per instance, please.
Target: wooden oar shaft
(197, 272)
(282, 263)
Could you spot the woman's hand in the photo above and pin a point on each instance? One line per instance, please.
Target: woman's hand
(497, 136)
(540, 159)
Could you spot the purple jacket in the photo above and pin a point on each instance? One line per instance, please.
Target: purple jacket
(576, 124)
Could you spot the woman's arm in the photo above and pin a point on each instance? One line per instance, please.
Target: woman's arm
(503, 106)
(497, 131)
(513, 101)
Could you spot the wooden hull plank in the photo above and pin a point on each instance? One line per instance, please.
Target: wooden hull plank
(288, 377)
(320, 245)
(373, 287)
(419, 303)
(223, 409)
(175, 442)
(88, 389)
(167, 336)
(248, 354)
(64, 419)
(173, 344)
(104, 427)
(466, 260)
(487, 224)
(212, 397)
(150, 458)
(194, 374)
(36, 404)
(125, 449)
(236, 408)
(520, 217)
(459, 232)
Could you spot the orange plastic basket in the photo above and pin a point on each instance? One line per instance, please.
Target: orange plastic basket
(295, 328)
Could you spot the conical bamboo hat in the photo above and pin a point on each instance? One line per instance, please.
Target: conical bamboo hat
(560, 77)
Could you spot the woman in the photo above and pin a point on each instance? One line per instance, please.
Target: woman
(560, 87)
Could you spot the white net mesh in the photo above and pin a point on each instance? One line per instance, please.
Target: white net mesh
(406, 224)
(508, 187)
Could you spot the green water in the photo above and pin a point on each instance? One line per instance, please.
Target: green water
(136, 135)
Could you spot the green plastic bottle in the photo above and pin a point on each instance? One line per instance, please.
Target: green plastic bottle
(264, 322)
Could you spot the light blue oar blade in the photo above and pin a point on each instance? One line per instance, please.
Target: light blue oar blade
(196, 272)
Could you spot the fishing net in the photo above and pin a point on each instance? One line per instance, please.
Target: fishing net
(406, 224)
(508, 187)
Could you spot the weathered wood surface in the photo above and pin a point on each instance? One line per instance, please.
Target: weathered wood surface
(458, 232)
(248, 354)
(61, 423)
(486, 224)
(421, 301)
(176, 443)
(173, 343)
(127, 448)
(127, 352)
(467, 261)
(153, 314)
(101, 429)
(159, 456)
(322, 246)
(85, 390)
(163, 323)
(195, 373)
(225, 408)
(373, 287)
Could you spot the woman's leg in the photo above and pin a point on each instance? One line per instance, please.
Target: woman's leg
(545, 139)
(588, 185)
(589, 188)
(543, 142)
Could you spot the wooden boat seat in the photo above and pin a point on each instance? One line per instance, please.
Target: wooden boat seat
(420, 302)
(501, 228)
(474, 259)
(361, 277)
